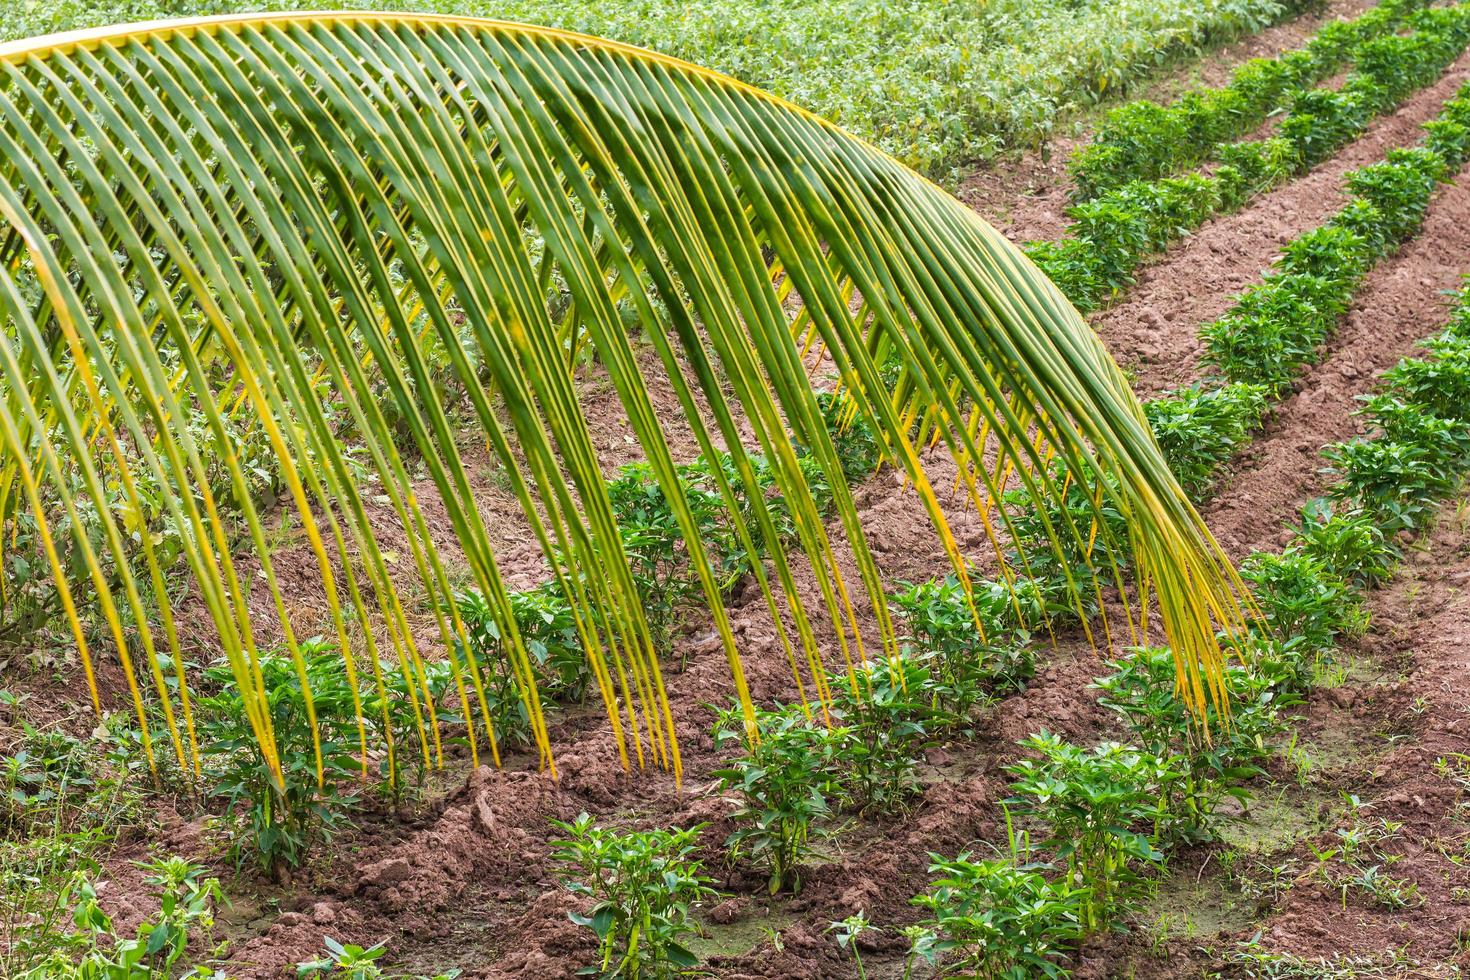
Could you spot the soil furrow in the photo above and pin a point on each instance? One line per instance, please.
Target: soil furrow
(1420, 634)
(1402, 302)
(1154, 329)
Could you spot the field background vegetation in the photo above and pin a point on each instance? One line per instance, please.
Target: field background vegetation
(937, 84)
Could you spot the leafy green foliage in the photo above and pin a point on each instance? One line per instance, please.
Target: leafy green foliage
(543, 447)
(1143, 141)
(1125, 213)
(186, 903)
(48, 774)
(783, 781)
(63, 801)
(1404, 62)
(1199, 428)
(1367, 223)
(1138, 139)
(1083, 272)
(658, 556)
(1418, 459)
(1399, 188)
(934, 84)
(1093, 803)
(657, 553)
(1348, 543)
(44, 875)
(1300, 598)
(1399, 482)
(1114, 231)
(545, 621)
(852, 437)
(1328, 252)
(30, 604)
(965, 664)
(504, 694)
(885, 724)
(1322, 120)
(29, 600)
(1421, 450)
(1214, 759)
(1438, 385)
(998, 918)
(1279, 325)
(277, 826)
(643, 885)
(1265, 163)
(1276, 328)
(1449, 139)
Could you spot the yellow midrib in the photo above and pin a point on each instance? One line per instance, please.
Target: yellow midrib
(18, 51)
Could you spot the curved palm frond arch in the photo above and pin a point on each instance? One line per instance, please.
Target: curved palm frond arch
(222, 219)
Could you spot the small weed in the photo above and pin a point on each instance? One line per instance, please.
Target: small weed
(846, 932)
(1252, 962)
(344, 961)
(1300, 761)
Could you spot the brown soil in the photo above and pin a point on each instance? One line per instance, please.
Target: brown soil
(1421, 626)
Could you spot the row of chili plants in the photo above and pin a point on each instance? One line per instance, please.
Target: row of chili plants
(1142, 140)
(1109, 814)
(1113, 233)
(1277, 327)
(1105, 817)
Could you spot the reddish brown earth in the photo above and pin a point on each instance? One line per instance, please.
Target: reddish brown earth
(1421, 635)
(464, 879)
